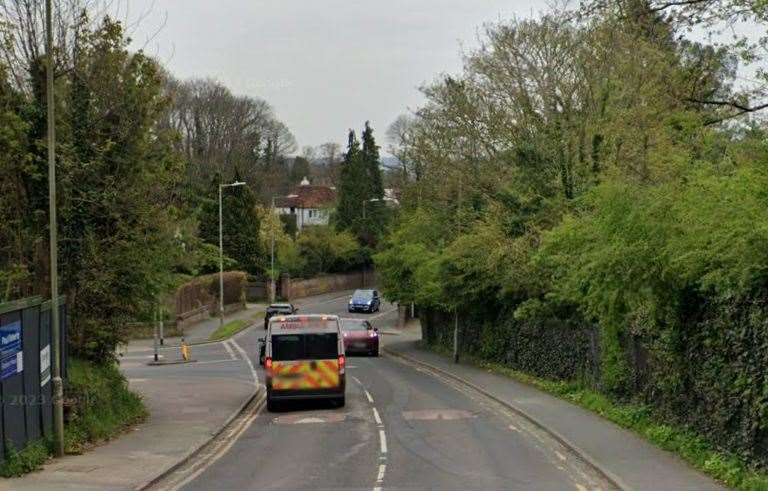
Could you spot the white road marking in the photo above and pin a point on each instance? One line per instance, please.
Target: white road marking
(233, 437)
(382, 438)
(229, 350)
(247, 360)
(382, 471)
(560, 456)
(383, 441)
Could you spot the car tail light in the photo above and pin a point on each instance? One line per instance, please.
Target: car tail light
(268, 364)
(373, 334)
(342, 363)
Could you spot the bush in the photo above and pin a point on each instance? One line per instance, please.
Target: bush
(324, 250)
(675, 276)
(100, 404)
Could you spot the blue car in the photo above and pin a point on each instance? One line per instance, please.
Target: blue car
(365, 301)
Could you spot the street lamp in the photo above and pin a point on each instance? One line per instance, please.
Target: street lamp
(58, 387)
(365, 202)
(272, 254)
(221, 251)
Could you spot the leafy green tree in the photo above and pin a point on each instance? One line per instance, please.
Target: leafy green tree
(300, 168)
(361, 208)
(351, 190)
(241, 226)
(373, 225)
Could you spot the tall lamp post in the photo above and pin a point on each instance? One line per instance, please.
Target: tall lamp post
(221, 250)
(58, 388)
(272, 257)
(365, 202)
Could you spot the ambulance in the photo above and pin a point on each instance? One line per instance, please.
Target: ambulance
(304, 359)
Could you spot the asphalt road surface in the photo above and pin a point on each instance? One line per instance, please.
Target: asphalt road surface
(402, 428)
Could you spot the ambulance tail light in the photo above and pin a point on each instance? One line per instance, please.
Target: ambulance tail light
(268, 364)
(342, 363)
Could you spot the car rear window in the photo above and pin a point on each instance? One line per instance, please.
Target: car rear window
(289, 347)
(355, 326)
(303, 323)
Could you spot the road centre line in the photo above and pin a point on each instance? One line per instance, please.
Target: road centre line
(383, 441)
(376, 417)
(369, 396)
(382, 471)
(247, 360)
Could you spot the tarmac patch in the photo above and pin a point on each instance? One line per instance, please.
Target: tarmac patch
(437, 415)
(298, 419)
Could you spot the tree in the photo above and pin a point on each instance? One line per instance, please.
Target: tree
(351, 189)
(300, 168)
(241, 226)
(372, 225)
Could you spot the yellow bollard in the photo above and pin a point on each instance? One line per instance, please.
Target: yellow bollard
(185, 351)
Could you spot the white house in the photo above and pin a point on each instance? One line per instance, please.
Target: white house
(310, 204)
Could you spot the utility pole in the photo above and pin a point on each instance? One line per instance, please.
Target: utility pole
(365, 202)
(154, 332)
(272, 260)
(221, 250)
(58, 388)
(455, 309)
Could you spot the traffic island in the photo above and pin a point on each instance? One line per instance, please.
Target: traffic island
(169, 362)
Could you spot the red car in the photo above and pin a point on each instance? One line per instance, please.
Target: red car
(360, 337)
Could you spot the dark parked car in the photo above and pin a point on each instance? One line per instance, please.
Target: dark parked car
(360, 337)
(365, 301)
(273, 310)
(278, 309)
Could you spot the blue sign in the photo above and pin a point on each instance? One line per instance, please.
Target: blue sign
(11, 356)
(10, 339)
(11, 365)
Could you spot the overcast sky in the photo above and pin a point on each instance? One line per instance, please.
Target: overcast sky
(324, 65)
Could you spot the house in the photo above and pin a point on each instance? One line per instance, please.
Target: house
(310, 205)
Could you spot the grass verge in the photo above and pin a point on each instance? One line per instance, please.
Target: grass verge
(233, 327)
(18, 463)
(726, 467)
(100, 405)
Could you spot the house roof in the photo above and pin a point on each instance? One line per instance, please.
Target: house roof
(307, 196)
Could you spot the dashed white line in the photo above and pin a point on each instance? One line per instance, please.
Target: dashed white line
(247, 360)
(229, 350)
(383, 441)
(376, 416)
(369, 396)
(382, 471)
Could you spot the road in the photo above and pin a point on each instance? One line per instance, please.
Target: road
(402, 428)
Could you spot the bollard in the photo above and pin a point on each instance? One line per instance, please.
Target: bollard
(185, 351)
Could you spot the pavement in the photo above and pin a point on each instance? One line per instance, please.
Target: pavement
(188, 404)
(627, 459)
(201, 331)
(419, 424)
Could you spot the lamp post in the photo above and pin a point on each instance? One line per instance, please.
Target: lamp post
(221, 250)
(58, 388)
(272, 257)
(365, 202)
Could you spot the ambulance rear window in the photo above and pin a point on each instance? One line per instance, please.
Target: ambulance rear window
(289, 347)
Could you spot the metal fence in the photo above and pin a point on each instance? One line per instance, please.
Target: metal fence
(26, 413)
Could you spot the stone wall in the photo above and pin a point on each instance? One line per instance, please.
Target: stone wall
(293, 288)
